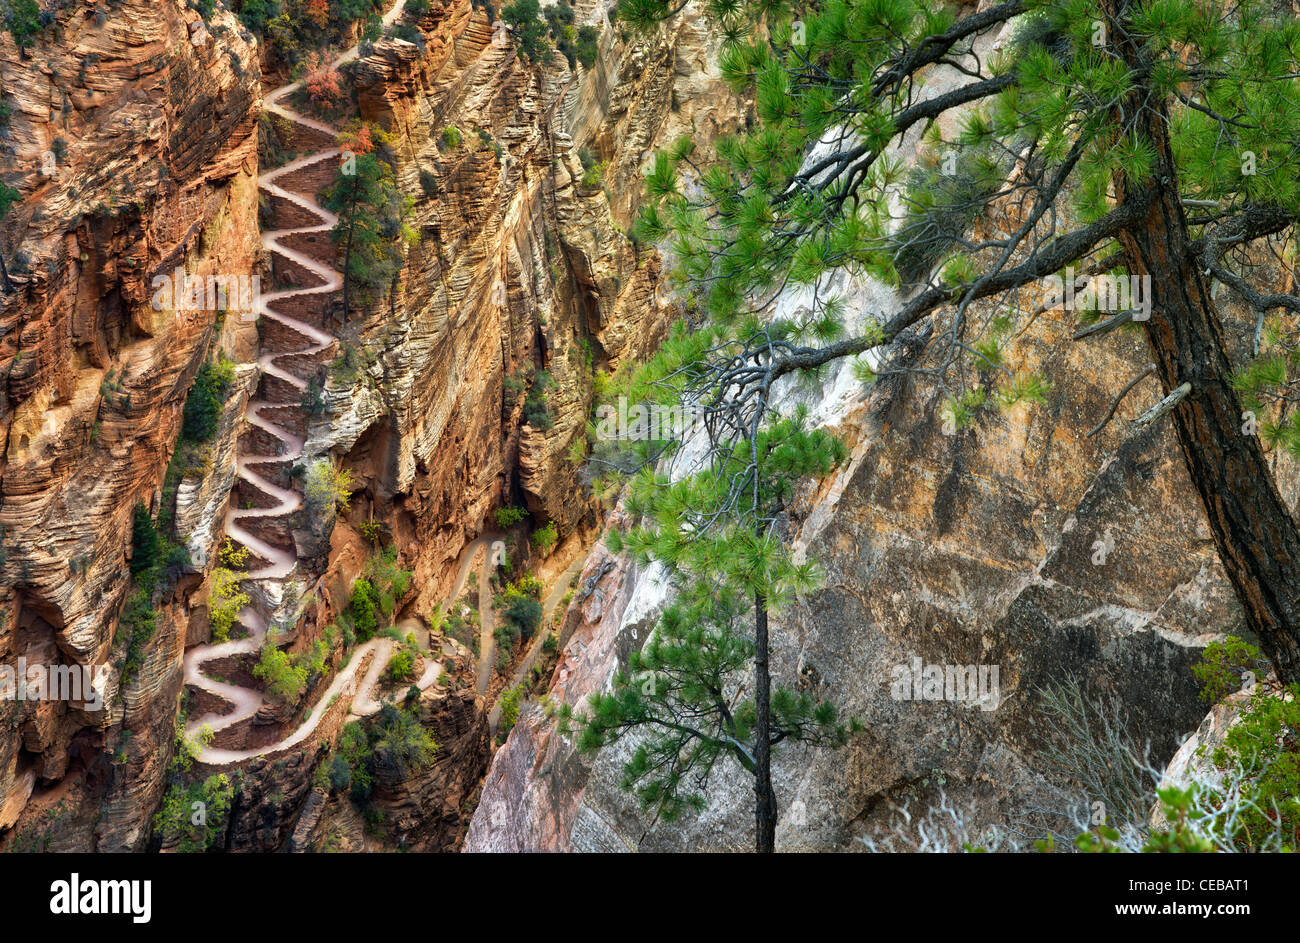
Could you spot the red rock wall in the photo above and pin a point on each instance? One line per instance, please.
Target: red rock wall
(151, 140)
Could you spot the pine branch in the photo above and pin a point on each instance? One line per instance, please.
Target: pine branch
(1163, 407)
(1151, 368)
(1104, 326)
(933, 48)
(1053, 257)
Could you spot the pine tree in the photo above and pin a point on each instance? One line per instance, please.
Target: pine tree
(524, 20)
(371, 227)
(717, 526)
(202, 411)
(1156, 139)
(146, 546)
(23, 20)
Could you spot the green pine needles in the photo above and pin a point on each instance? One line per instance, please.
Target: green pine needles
(1269, 386)
(969, 161)
(717, 526)
(684, 692)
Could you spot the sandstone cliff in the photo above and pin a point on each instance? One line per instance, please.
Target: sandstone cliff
(520, 268)
(132, 142)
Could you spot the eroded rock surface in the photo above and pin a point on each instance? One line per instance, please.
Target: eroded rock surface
(135, 153)
(152, 120)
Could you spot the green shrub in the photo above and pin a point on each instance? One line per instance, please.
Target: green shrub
(347, 366)
(23, 20)
(328, 486)
(340, 774)
(138, 622)
(225, 602)
(537, 409)
(390, 581)
(409, 33)
(277, 672)
(526, 585)
(546, 538)
(146, 546)
(460, 629)
(203, 405)
(401, 744)
(374, 597)
(284, 676)
(508, 517)
(1264, 744)
(588, 46)
(523, 613)
(1224, 666)
(354, 748)
(176, 820)
(594, 177)
(225, 598)
(363, 607)
(527, 29)
(255, 14)
(512, 387)
(314, 658)
(313, 399)
(510, 709)
(401, 667)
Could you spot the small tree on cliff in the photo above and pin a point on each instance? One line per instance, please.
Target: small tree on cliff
(1159, 139)
(716, 524)
(371, 227)
(524, 20)
(146, 545)
(684, 692)
(23, 20)
(8, 197)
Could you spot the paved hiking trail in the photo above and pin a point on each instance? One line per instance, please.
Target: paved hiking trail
(280, 562)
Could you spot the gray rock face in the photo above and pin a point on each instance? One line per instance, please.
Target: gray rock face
(985, 548)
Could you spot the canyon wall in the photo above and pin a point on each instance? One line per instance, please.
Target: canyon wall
(978, 548)
(152, 119)
(132, 142)
(521, 267)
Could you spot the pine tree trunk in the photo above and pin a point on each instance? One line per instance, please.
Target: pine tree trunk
(1256, 537)
(764, 797)
(347, 267)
